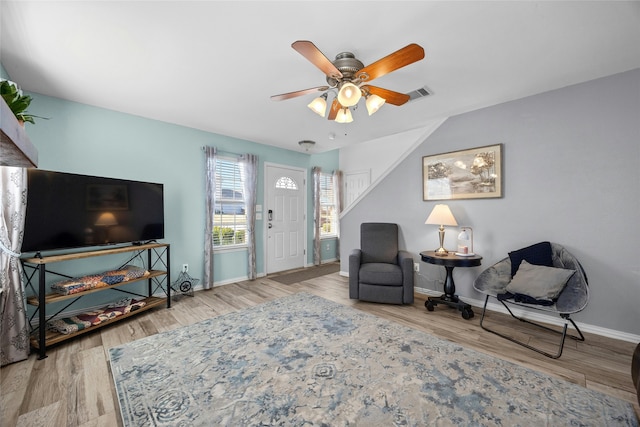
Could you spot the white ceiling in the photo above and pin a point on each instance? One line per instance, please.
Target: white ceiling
(213, 65)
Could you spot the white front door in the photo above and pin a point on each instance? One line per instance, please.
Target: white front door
(284, 217)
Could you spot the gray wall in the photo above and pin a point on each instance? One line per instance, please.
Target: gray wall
(571, 175)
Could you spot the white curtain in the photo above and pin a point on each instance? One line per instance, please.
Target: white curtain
(249, 170)
(316, 215)
(337, 200)
(210, 192)
(14, 330)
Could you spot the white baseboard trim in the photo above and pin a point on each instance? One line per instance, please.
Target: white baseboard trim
(229, 281)
(540, 317)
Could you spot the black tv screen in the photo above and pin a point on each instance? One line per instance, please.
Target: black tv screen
(66, 210)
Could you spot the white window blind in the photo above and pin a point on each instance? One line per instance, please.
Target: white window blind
(327, 206)
(230, 219)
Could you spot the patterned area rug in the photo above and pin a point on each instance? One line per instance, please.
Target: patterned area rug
(305, 361)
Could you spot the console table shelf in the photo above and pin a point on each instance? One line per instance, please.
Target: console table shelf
(157, 256)
(52, 337)
(53, 297)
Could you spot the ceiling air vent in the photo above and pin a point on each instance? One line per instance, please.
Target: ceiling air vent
(418, 93)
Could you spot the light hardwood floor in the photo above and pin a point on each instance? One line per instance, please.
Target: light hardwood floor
(73, 385)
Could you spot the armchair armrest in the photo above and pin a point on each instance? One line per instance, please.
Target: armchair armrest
(355, 259)
(405, 260)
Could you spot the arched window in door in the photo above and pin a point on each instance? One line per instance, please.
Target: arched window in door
(286, 183)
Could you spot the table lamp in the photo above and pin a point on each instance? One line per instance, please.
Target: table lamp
(441, 215)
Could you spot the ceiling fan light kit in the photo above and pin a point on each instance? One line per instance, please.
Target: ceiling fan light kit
(344, 116)
(349, 94)
(350, 78)
(374, 102)
(319, 105)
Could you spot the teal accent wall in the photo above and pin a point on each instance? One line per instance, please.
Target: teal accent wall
(84, 139)
(328, 249)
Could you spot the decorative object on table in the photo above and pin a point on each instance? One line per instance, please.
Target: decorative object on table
(441, 215)
(17, 101)
(185, 284)
(532, 277)
(304, 360)
(465, 242)
(467, 174)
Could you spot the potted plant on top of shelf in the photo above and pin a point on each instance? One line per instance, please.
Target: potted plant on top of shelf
(17, 101)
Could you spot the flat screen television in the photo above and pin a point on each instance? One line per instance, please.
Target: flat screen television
(66, 210)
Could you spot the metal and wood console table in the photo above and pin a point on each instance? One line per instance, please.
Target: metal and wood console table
(449, 297)
(157, 264)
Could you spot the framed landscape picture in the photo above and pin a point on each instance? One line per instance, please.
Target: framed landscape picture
(475, 173)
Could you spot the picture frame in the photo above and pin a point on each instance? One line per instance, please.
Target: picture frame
(107, 197)
(475, 173)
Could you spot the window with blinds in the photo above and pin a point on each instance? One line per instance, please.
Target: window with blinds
(328, 212)
(230, 218)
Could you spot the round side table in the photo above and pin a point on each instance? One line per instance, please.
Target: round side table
(449, 297)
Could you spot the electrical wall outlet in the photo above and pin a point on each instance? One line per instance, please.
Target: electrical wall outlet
(416, 266)
(185, 268)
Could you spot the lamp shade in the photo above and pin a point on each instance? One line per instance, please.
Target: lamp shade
(344, 116)
(374, 102)
(319, 105)
(441, 215)
(349, 94)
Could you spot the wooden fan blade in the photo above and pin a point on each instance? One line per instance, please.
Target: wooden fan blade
(333, 112)
(398, 59)
(290, 95)
(393, 98)
(317, 58)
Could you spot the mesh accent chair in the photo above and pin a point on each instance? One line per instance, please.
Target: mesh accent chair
(379, 271)
(494, 282)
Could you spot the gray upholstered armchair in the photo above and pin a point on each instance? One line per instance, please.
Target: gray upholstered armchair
(379, 271)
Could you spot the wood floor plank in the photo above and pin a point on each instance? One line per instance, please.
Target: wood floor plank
(73, 386)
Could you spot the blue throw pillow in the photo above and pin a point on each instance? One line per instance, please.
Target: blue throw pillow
(538, 254)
